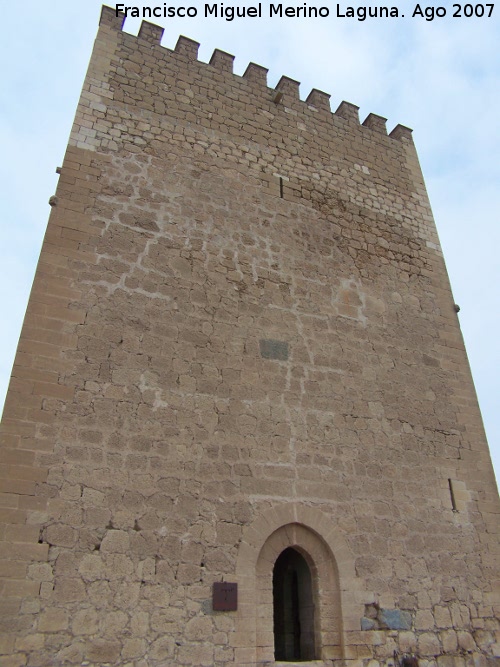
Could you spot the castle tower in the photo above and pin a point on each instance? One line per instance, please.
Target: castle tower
(241, 427)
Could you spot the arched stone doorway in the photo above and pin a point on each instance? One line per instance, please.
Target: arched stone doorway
(333, 582)
(293, 608)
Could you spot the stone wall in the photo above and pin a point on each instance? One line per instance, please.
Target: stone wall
(240, 338)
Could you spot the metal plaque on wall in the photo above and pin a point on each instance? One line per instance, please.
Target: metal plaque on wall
(224, 596)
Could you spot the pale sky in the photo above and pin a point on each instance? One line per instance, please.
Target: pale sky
(440, 77)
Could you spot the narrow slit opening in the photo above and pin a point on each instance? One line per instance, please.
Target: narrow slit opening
(452, 496)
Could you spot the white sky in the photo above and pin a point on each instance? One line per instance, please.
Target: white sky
(442, 78)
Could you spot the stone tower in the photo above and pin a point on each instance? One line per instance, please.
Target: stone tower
(241, 427)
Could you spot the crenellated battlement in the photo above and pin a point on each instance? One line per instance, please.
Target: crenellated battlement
(142, 98)
(286, 91)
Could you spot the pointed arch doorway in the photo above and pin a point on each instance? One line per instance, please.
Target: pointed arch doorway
(308, 531)
(293, 608)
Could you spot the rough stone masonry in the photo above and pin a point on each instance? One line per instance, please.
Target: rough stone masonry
(241, 363)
